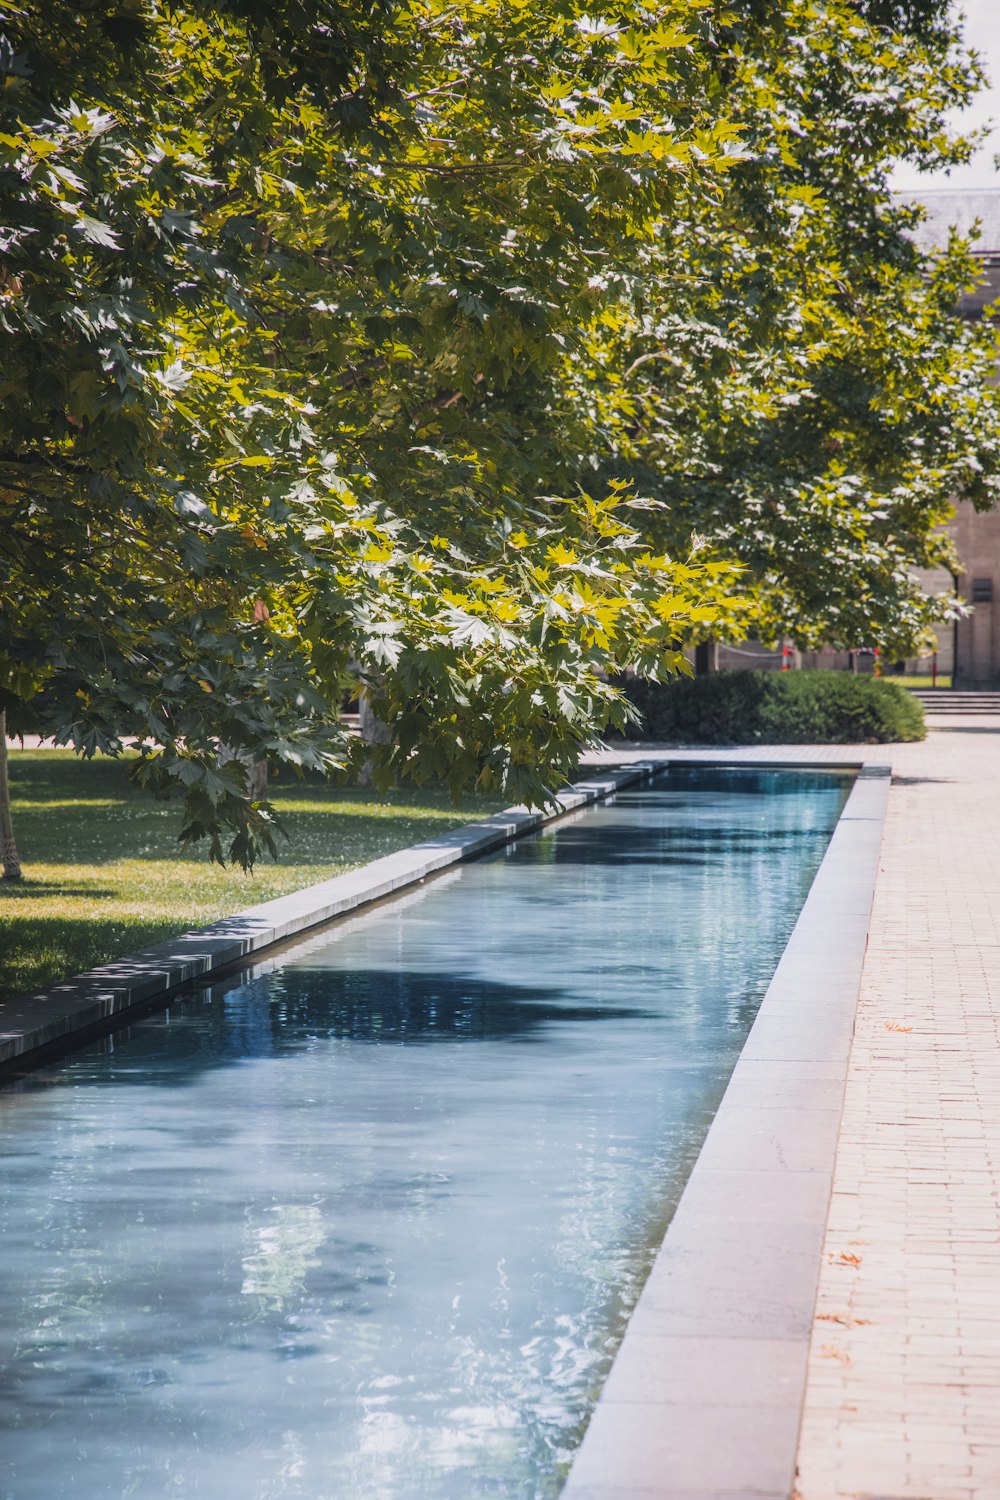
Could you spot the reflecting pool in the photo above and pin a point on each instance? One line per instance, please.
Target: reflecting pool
(366, 1221)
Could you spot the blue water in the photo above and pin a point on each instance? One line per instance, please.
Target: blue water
(365, 1222)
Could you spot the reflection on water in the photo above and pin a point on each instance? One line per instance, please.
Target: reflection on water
(366, 1226)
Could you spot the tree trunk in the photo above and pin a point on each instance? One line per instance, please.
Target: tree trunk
(256, 771)
(706, 657)
(374, 731)
(257, 781)
(11, 863)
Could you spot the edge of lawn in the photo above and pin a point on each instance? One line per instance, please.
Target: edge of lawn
(105, 874)
(34, 1026)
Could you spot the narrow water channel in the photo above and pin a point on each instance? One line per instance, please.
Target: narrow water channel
(365, 1223)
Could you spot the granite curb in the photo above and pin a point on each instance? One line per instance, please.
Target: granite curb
(705, 1396)
(79, 1005)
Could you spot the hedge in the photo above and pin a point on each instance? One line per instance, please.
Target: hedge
(787, 708)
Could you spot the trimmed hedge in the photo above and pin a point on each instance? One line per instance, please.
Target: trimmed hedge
(777, 708)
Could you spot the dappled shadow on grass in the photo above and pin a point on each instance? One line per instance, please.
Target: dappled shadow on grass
(88, 814)
(53, 776)
(105, 873)
(31, 890)
(327, 837)
(319, 836)
(39, 951)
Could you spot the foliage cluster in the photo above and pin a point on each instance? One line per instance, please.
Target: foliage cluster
(462, 356)
(778, 708)
(812, 404)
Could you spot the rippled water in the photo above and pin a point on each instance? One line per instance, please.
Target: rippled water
(365, 1223)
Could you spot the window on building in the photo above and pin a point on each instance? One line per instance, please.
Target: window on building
(982, 591)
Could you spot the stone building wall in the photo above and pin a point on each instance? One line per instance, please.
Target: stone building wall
(977, 538)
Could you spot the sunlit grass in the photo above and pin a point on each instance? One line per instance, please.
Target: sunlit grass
(943, 681)
(103, 872)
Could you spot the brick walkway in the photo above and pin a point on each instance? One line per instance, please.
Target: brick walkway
(903, 1397)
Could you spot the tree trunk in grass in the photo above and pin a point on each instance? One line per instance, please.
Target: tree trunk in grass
(256, 771)
(11, 863)
(706, 657)
(257, 781)
(374, 731)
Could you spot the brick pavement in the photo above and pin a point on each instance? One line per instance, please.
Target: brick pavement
(903, 1394)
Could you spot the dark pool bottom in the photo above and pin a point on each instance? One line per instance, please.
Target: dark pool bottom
(367, 1225)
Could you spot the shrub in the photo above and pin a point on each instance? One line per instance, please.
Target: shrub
(790, 708)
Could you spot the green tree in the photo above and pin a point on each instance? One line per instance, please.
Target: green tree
(273, 291)
(803, 394)
(341, 338)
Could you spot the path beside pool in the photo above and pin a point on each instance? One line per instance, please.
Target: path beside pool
(902, 1398)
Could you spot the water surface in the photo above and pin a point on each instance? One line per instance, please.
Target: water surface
(366, 1224)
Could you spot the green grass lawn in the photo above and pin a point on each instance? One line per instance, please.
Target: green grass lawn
(943, 681)
(103, 872)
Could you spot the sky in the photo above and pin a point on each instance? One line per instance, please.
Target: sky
(982, 31)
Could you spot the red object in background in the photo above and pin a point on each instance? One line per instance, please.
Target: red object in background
(786, 654)
(934, 670)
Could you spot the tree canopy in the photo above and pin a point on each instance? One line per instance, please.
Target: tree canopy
(804, 395)
(464, 354)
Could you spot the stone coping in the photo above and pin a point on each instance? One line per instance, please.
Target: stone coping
(704, 1400)
(87, 1003)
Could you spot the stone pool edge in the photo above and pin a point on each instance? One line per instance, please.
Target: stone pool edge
(704, 1400)
(39, 1022)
